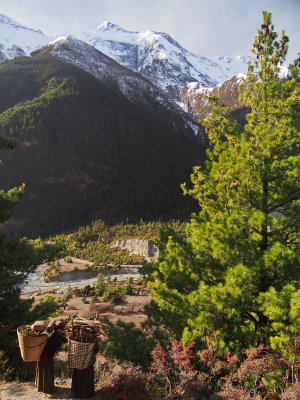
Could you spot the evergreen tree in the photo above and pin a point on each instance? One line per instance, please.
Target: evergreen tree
(18, 257)
(235, 280)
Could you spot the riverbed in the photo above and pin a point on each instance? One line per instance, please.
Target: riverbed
(75, 275)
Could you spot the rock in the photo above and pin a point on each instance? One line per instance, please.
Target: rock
(145, 248)
(38, 326)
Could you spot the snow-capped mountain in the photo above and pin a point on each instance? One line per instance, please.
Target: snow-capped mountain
(161, 59)
(132, 85)
(155, 55)
(17, 39)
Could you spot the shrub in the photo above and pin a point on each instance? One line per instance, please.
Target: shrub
(76, 292)
(128, 343)
(95, 299)
(234, 394)
(292, 393)
(53, 270)
(115, 297)
(61, 368)
(100, 285)
(48, 307)
(104, 308)
(129, 383)
(127, 289)
(87, 290)
(6, 369)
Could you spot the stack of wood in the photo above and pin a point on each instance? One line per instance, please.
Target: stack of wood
(27, 330)
(32, 340)
(83, 330)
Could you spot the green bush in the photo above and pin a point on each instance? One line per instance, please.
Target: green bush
(6, 369)
(61, 368)
(127, 289)
(127, 343)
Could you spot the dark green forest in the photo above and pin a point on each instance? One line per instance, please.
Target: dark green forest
(86, 152)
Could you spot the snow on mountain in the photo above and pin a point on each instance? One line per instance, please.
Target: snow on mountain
(17, 39)
(155, 55)
(195, 98)
(161, 59)
(232, 66)
(133, 86)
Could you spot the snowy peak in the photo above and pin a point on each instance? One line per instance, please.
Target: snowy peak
(162, 60)
(155, 55)
(17, 39)
(56, 43)
(109, 26)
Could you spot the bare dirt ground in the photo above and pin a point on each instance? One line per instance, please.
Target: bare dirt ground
(131, 310)
(27, 391)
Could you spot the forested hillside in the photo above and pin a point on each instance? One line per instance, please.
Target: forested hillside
(87, 152)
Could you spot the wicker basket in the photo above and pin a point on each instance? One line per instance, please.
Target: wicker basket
(79, 354)
(31, 347)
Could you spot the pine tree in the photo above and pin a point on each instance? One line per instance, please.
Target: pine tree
(242, 253)
(18, 257)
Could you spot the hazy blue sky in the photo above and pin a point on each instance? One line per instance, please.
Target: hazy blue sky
(207, 27)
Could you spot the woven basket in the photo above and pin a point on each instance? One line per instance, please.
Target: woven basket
(31, 347)
(79, 354)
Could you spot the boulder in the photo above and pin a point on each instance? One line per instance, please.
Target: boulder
(145, 248)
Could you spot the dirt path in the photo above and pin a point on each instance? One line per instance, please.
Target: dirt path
(27, 391)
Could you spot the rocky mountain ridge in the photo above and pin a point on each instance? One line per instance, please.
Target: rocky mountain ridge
(155, 55)
(133, 85)
(161, 59)
(18, 40)
(195, 98)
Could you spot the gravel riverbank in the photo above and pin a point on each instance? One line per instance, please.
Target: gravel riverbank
(75, 276)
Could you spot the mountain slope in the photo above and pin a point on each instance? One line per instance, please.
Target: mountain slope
(134, 86)
(161, 59)
(18, 40)
(86, 151)
(194, 98)
(155, 55)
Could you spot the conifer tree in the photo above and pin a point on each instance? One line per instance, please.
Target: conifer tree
(18, 257)
(234, 280)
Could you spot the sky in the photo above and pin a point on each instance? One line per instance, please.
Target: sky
(206, 27)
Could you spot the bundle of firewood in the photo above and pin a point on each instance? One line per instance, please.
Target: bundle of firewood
(27, 330)
(32, 340)
(82, 330)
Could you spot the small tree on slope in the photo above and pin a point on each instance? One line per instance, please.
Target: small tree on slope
(18, 257)
(235, 280)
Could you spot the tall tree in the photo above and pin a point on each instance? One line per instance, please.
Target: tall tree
(18, 257)
(241, 259)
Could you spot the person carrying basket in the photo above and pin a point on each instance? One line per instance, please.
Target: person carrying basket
(44, 379)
